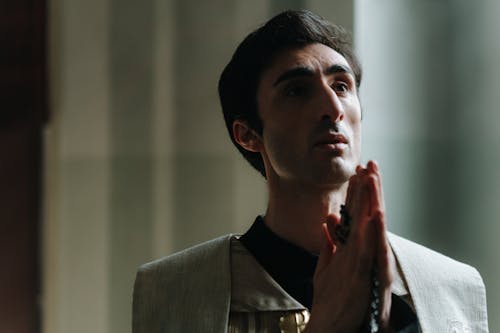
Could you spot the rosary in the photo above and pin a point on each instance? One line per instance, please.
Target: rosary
(341, 233)
(297, 321)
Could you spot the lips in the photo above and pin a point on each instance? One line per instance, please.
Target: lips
(331, 139)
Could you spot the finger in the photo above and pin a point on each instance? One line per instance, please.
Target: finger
(373, 167)
(377, 201)
(375, 204)
(364, 179)
(366, 238)
(381, 192)
(364, 234)
(383, 252)
(384, 273)
(359, 195)
(326, 252)
(359, 168)
(328, 236)
(355, 211)
(332, 222)
(350, 189)
(352, 194)
(360, 210)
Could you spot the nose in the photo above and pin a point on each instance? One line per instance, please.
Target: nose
(331, 107)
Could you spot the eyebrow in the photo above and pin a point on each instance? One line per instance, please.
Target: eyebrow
(303, 71)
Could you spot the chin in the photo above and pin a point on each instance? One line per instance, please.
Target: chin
(336, 175)
(341, 168)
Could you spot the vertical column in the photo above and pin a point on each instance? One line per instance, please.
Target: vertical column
(393, 41)
(430, 98)
(131, 136)
(477, 50)
(203, 202)
(340, 12)
(277, 6)
(76, 253)
(163, 120)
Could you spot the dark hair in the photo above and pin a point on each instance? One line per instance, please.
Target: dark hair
(239, 80)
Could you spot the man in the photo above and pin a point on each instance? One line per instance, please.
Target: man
(320, 259)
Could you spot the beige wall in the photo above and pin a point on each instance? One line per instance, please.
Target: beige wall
(76, 245)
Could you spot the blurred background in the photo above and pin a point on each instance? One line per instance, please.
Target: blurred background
(114, 150)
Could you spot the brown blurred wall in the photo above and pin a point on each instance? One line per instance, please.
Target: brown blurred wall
(23, 111)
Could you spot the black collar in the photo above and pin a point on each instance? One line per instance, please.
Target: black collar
(288, 264)
(292, 268)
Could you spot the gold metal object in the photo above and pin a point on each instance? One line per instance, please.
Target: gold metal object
(294, 322)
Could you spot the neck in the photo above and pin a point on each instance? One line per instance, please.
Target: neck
(295, 212)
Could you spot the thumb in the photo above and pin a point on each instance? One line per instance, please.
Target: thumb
(332, 221)
(327, 250)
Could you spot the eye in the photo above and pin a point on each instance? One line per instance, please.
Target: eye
(296, 90)
(340, 86)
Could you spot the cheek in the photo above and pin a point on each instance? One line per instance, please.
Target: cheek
(356, 133)
(276, 140)
(354, 118)
(357, 140)
(355, 125)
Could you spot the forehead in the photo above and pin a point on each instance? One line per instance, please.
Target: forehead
(317, 57)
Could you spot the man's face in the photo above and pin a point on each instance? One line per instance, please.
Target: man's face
(308, 102)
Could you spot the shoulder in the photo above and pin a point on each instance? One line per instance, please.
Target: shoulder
(184, 290)
(447, 294)
(437, 265)
(188, 258)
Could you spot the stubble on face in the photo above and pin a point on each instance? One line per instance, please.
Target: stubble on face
(311, 116)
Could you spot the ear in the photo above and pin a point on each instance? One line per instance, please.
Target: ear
(246, 137)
